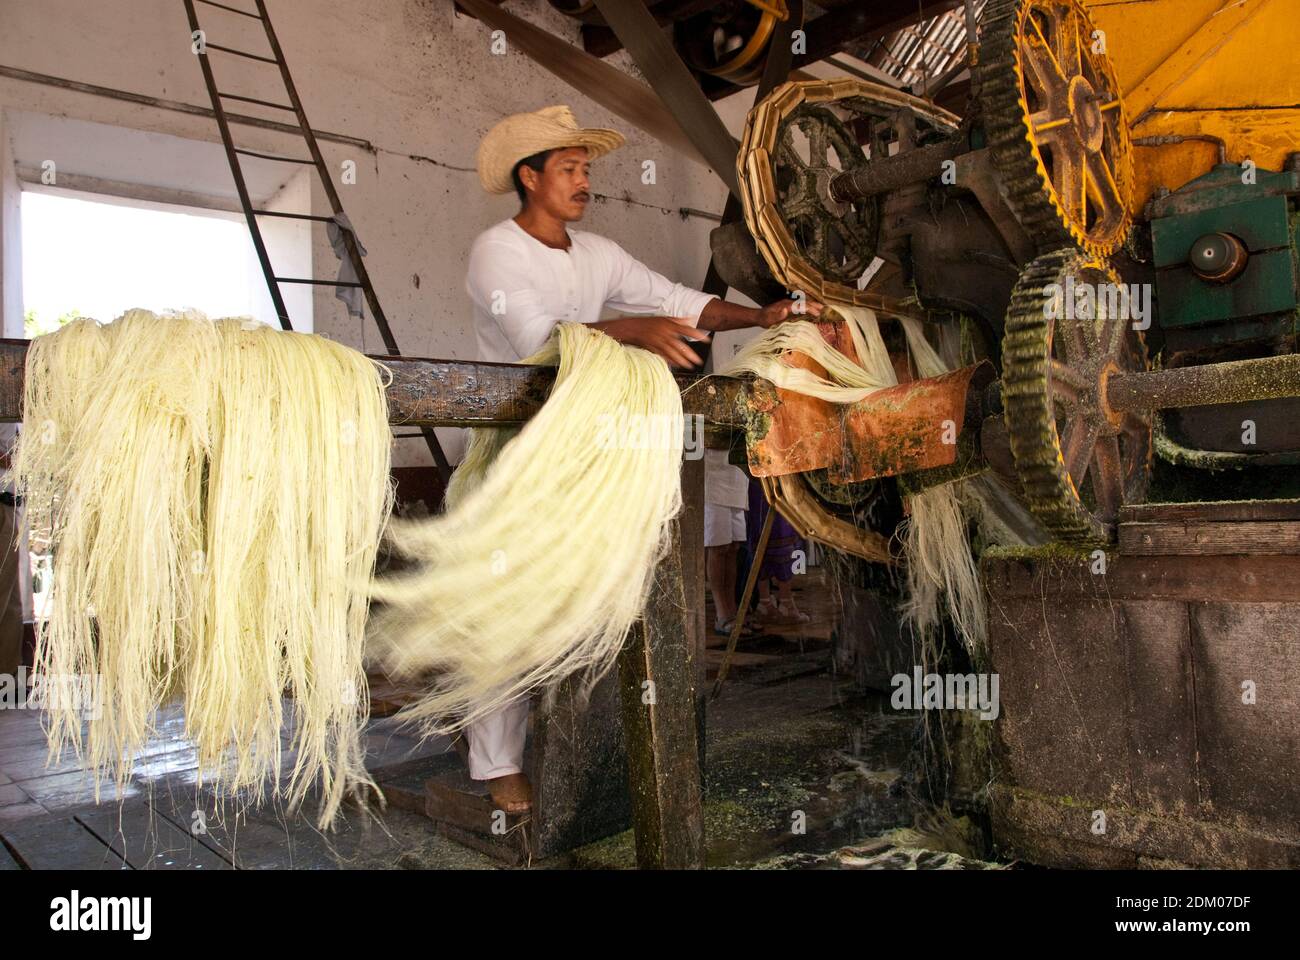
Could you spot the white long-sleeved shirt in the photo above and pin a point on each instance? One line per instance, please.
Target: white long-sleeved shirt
(521, 288)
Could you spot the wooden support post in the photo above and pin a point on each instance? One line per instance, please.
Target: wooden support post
(657, 675)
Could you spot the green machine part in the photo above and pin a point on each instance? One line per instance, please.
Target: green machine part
(1258, 209)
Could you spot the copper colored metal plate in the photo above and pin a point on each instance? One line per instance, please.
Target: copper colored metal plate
(913, 426)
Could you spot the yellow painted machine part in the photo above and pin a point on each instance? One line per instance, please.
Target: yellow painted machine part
(1221, 68)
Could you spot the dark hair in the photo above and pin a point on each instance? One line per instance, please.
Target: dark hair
(537, 162)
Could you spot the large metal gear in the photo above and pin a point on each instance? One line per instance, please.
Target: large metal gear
(1056, 123)
(1063, 341)
(795, 142)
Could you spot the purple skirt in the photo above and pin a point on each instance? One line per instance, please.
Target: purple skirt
(782, 542)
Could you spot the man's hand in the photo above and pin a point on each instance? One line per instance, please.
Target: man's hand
(783, 310)
(661, 335)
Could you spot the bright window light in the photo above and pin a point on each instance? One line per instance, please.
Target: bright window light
(98, 258)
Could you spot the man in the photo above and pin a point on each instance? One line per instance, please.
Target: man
(528, 273)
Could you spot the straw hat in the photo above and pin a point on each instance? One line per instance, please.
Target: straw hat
(523, 134)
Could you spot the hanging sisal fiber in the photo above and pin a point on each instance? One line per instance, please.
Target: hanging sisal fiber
(545, 556)
(213, 494)
(935, 542)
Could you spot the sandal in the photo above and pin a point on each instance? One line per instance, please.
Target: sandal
(724, 627)
(789, 613)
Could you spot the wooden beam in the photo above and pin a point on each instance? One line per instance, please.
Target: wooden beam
(675, 84)
(451, 393)
(657, 677)
(600, 41)
(1217, 29)
(865, 22)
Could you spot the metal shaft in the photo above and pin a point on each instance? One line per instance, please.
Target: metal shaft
(1237, 381)
(891, 173)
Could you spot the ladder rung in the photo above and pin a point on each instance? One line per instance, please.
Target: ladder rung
(294, 216)
(213, 3)
(322, 283)
(267, 156)
(264, 103)
(242, 53)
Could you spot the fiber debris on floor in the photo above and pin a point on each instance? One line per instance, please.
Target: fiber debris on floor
(802, 772)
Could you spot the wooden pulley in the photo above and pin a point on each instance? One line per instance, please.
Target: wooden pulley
(796, 142)
(584, 10)
(791, 497)
(730, 39)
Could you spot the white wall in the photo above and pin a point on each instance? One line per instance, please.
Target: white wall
(410, 77)
(11, 259)
(289, 248)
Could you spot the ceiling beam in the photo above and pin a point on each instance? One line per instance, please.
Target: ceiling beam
(600, 41)
(865, 22)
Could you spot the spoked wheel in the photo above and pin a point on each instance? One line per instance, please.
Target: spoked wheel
(813, 146)
(1078, 459)
(796, 141)
(1056, 123)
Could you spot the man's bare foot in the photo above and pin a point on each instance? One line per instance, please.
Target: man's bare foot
(512, 793)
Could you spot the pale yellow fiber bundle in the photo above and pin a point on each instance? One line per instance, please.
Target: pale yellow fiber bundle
(545, 557)
(214, 494)
(935, 543)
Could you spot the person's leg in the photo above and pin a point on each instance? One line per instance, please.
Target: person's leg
(716, 561)
(496, 754)
(729, 574)
(717, 543)
(786, 606)
(766, 605)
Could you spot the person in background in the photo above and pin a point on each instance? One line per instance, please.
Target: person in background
(726, 498)
(11, 554)
(777, 562)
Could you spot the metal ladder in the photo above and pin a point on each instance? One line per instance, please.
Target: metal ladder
(251, 214)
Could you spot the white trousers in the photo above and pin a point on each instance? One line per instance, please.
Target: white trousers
(496, 743)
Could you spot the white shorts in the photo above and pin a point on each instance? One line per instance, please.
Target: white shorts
(723, 525)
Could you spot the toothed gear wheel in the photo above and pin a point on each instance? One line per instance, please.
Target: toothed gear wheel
(1056, 123)
(1059, 349)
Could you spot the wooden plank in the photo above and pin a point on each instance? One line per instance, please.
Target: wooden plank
(60, 844)
(1214, 539)
(147, 840)
(657, 670)
(251, 840)
(579, 770)
(714, 658)
(7, 862)
(1144, 96)
(450, 393)
(1050, 831)
(1061, 729)
(1200, 579)
(1160, 679)
(462, 810)
(1248, 750)
(76, 789)
(1229, 511)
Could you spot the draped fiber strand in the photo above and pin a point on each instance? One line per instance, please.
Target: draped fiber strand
(935, 543)
(213, 494)
(546, 554)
